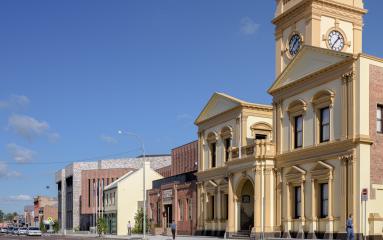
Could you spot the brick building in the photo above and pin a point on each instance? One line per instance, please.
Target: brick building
(92, 185)
(69, 185)
(174, 197)
(44, 208)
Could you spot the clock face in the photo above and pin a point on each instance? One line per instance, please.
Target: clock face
(336, 40)
(295, 44)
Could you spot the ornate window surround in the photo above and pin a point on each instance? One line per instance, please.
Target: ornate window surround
(263, 128)
(226, 133)
(322, 99)
(296, 108)
(295, 177)
(212, 138)
(321, 173)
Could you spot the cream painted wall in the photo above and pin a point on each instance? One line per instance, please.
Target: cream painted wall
(130, 192)
(308, 119)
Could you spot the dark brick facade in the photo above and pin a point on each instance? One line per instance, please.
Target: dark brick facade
(376, 98)
(184, 158)
(165, 171)
(178, 192)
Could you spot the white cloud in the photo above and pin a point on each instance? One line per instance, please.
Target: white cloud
(20, 154)
(4, 171)
(27, 127)
(15, 101)
(248, 26)
(16, 198)
(108, 139)
(21, 197)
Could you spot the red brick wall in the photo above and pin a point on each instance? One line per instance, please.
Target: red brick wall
(165, 171)
(187, 226)
(103, 174)
(376, 97)
(183, 192)
(184, 158)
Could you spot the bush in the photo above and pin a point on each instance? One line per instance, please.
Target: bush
(139, 222)
(42, 227)
(101, 226)
(56, 226)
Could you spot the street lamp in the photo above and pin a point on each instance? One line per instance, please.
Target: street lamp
(144, 161)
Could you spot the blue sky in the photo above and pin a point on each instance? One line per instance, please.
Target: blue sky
(74, 72)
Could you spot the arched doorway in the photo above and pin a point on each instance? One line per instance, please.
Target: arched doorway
(246, 206)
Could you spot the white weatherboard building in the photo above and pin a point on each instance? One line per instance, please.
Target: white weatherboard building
(124, 197)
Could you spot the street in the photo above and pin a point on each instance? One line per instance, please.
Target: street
(85, 237)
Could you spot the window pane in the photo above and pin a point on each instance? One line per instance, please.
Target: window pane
(298, 123)
(325, 112)
(379, 113)
(325, 133)
(379, 126)
(299, 139)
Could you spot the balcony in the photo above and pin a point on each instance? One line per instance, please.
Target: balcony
(260, 149)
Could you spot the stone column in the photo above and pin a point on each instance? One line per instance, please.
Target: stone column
(288, 206)
(231, 211)
(314, 217)
(218, 207)
(330, 226)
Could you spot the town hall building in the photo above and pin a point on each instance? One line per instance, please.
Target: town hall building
(297, 169)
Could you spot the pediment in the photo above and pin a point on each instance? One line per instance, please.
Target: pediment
(309, 60)
(296, 171)
(218, 103)
(322, 166)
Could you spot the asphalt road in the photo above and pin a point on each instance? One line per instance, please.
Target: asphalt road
(48, 237)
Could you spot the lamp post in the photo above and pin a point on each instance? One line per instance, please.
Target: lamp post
(143, 179)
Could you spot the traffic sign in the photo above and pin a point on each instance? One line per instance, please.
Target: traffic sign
(364, 194)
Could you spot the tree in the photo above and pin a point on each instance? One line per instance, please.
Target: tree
(139, 221)
(42, 227)
(1, 215)
(101, 226)
(56, 226)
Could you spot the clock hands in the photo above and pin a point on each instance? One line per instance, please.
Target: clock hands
(335, 42)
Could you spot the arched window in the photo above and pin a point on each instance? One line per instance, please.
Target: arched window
(227, 137)
(297, 110)
(323, 102)
(212, 141)
(261, 131)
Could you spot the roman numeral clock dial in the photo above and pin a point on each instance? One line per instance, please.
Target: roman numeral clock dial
(336, 41)
(295, 44)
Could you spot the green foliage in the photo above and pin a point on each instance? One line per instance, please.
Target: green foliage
(56, 226)
(2, 214)
(101, 226)
(139, 221)
(42, 227)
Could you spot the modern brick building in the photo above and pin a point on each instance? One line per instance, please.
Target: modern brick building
(92, 185)
(174, 197)
(69, 184)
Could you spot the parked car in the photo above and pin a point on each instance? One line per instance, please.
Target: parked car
(15, 231)
(22, 231)
(9, 230)
(3, 230)
(34, 231)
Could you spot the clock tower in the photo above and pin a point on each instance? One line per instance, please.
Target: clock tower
(330, 24)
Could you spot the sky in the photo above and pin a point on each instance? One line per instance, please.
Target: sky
(74, 72)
